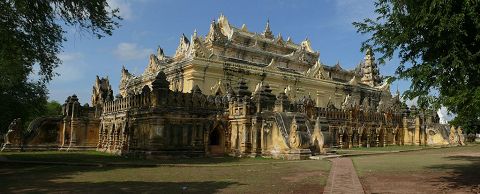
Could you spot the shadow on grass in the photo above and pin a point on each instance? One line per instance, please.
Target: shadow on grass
(99, 157)
(464, 174)
(16, 178)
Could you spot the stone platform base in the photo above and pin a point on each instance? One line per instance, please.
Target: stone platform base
(11, 147)
(296, 154)
(159, 154)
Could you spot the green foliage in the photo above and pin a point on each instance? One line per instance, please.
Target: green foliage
(438, 42)
(53, 108)
(32, 34)
(25, 101)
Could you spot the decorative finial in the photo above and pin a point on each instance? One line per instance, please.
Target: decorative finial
(244, 28)
(289, 39)
(268, 25)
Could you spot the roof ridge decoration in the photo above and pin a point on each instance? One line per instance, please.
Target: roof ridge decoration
(272, 65)
(291, 92)
(289, 40)
(384, 87)
(307, 45)
(258, 88)
(225, 26)
(244, 28)
(354, 81)
(279, 39)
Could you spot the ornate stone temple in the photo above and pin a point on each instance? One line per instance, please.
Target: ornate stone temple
(241, 93)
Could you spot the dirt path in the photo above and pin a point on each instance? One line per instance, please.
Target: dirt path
(343, 178)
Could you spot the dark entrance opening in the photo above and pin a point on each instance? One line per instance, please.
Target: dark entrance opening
(215, 137)
(216, 144)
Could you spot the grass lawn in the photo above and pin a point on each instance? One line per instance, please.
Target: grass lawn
(102, 158)
(455, 169)
(253, 175)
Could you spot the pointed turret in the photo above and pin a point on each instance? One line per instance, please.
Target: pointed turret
(267, 33)
(160, 54)
(243, 89)
(370, 71)
(182, 48)
(194, 34)
(153, 65)
(125, 74)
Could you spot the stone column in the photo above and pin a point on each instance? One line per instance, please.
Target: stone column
(341, 140)
(384, 143)
(368, 139)
(350, 142)
(417, 131)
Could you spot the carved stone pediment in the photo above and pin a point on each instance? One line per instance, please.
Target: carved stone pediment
(153, 65)
(218, 88)
(183, 48)
(198, 49)
(215, 34)
(316, 71)
(350, 102)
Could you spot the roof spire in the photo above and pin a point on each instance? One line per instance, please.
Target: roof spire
(370, 70)
(267, 33)
(398, 92)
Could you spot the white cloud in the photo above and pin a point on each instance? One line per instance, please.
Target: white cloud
(68, 57)
(72, 68)
(355, 10)
(123, 6)
(348, 11)
(129, 51)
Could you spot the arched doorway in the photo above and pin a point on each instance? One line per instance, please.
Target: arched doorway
(216, 142)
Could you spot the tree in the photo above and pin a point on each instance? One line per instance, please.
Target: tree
(438, 42)
(53, 108)
(32, 34)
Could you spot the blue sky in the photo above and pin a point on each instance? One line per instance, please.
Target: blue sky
(151, 23)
